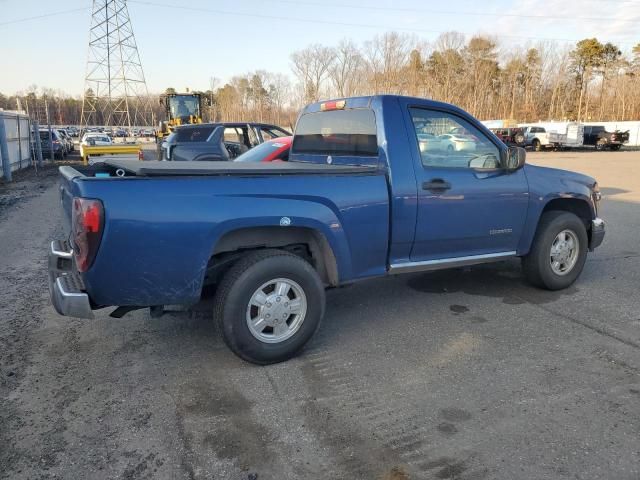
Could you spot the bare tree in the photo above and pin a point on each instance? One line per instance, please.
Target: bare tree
(311, 65)
(345, 69)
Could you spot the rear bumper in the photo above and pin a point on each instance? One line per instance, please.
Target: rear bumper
(65, 284)
(597, 233)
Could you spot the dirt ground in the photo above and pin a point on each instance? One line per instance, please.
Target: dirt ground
(464, 374)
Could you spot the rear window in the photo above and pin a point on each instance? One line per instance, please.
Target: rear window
(337, 132)
(195, 134)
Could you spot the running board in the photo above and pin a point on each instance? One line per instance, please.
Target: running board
(442, 263)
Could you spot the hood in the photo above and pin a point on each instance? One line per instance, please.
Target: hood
(562, 175)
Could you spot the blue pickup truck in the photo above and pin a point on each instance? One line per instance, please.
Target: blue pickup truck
(374, 186)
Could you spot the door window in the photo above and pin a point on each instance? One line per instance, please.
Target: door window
(233, 134)
(446, 140)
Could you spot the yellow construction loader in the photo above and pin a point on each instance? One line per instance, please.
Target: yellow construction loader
(180, 109)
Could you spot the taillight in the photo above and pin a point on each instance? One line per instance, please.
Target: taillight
(87, 220)
(140, 155)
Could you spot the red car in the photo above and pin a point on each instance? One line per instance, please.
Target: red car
(276, 149)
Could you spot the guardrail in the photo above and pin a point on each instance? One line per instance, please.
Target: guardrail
(87, 151)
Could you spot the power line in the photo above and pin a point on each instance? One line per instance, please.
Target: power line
(46, 15)
(463, 13)
(333, 22)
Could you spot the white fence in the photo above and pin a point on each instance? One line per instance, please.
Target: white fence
(18, 133)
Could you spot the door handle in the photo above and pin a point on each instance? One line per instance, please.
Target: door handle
(436, 185)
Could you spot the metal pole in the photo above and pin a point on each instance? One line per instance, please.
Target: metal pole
(46, 110)
(19, 141)
(4, 151)
(36, 135)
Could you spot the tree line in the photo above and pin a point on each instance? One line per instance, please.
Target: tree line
(590, 80)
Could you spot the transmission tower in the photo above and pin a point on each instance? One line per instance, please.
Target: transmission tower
(115, 92)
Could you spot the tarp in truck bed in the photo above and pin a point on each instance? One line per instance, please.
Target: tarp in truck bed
(159, 168)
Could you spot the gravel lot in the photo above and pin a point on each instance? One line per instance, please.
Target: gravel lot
(465, 374)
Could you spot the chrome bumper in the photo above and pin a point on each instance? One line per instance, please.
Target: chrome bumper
(65, 285)
(597, 233)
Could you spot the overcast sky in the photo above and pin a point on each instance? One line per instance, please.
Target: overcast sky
(182, 47)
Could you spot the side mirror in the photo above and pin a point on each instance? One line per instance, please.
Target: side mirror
(516, 157)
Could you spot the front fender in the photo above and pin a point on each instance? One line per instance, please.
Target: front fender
(547, 185)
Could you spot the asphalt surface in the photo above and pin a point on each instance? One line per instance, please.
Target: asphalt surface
(465, 374)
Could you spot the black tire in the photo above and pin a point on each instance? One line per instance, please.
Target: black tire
(537, 266)
(236, 289)
(537, 146)
(616, 147)
(519, 138)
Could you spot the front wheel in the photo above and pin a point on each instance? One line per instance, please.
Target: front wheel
(268, 305)
(558, 253)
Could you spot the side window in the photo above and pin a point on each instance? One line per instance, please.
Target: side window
(233, 134)
(542, 130)
(466, 147)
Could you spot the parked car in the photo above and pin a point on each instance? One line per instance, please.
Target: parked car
(457, 142)
(68, 141)
(357, 199)
(99, 139)
(597, 136)
(73, 131)
(59, 149)
(217, 141)
(512, 136)
(269, 151)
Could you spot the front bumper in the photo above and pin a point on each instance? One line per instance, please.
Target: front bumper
(597, 233)
(65, 284)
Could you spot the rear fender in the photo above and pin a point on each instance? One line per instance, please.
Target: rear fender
(329, 231)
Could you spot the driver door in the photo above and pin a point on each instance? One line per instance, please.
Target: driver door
(467, 203)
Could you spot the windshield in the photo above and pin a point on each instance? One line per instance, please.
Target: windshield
(184, 106)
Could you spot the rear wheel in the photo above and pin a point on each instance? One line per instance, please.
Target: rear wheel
(537, 146)
(268, 305)
(519, 138)
(558, 253)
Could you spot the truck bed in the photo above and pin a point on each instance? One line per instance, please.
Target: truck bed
(158, 168)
